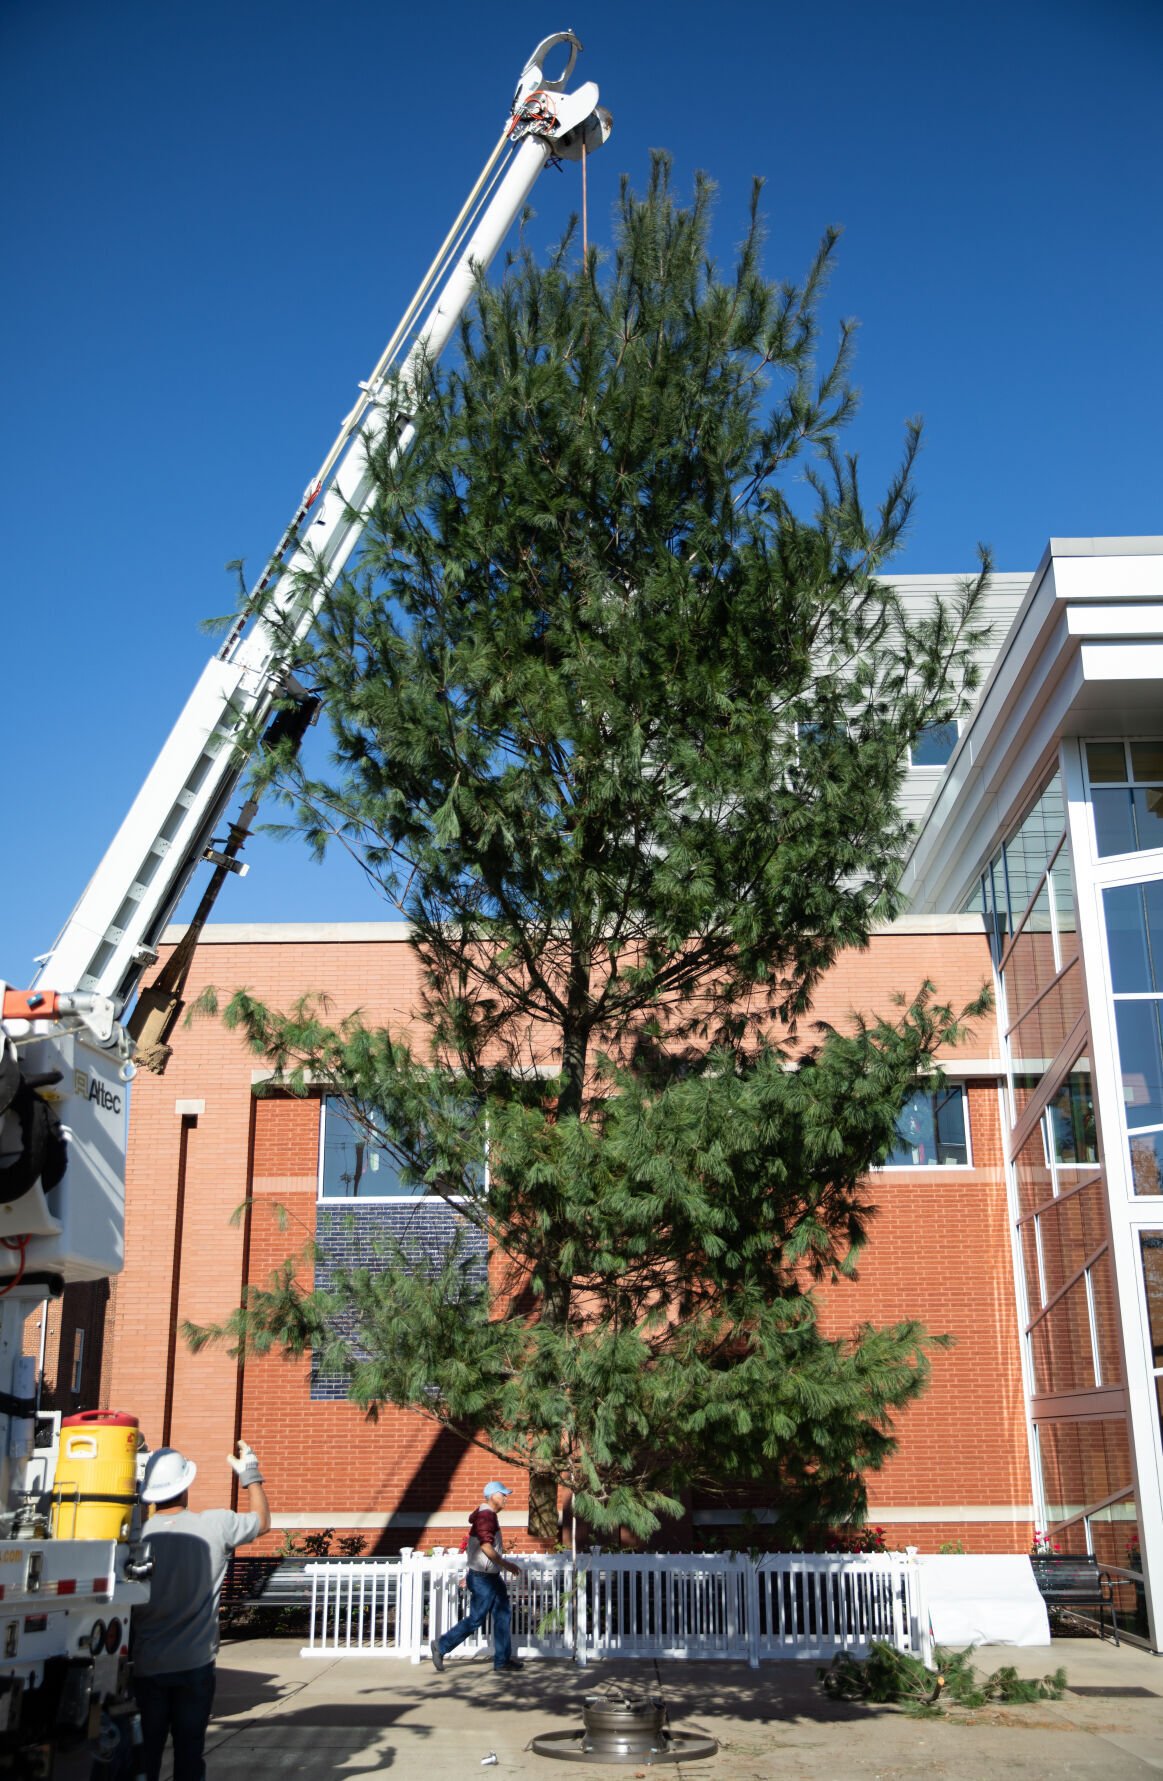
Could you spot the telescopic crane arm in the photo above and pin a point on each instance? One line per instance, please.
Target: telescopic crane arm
(112, 935)
(67, 1045)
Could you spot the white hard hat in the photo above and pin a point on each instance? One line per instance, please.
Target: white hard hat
(167, 1474)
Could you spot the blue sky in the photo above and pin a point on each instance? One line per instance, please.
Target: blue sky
(216, 212)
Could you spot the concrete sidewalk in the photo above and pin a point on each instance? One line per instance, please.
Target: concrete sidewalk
(280, 1714)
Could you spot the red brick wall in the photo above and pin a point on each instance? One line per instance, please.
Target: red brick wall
(939, 1251)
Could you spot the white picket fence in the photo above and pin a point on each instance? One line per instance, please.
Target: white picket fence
(631, 1604)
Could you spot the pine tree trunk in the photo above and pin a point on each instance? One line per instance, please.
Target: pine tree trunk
(544, 1522)
(544, 1526)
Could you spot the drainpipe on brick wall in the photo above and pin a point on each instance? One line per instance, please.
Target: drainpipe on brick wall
(189, 1121)
(244, 1271)
(41, 1353)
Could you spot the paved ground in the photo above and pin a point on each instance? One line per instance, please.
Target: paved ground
(280, 1714)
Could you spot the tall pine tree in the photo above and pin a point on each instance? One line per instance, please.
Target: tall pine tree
(622, 703)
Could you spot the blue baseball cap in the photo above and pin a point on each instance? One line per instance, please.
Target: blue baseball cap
(491, 1490)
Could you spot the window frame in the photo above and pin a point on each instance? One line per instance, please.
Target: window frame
(387, 1199)
(952, 1083)
(1129, 784)
(954, 724)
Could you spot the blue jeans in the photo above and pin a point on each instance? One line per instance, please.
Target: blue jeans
(487, 1595)
(178, 1702)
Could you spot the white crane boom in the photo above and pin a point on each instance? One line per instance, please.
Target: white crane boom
(112, 934)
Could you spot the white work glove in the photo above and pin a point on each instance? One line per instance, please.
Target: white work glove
(246, 1465)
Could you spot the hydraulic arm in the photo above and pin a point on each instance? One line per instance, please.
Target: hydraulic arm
(112, 935)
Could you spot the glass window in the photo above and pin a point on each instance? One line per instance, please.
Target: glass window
(1065, 920)
(1035, 1179)
(1140, 1061)
(1147, 1163)
(354, 1165)
(1151, 1249)
(1028, 853)
(1012, 877)
(1070, 1118)
(357, 1165)
(1036, 1294)
(1134, 929)
(931, 1130)
(1106, 1320)
(1147, 760)
(1114, 820)
(1106, 763)
(934, 745)
(1083, 1463)
(1030, 964)
(819, 734)
(1066, 1242)
(993, 908)
(1036, 1040)
(1126, 795)
(1061, 1347)
(1114, 1534)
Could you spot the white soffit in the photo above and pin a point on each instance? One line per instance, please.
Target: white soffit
(1084, 656)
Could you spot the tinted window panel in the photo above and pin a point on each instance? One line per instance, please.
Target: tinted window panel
(930, 1130)
(1106, 763)
(1148, 817)
(1070, 1114)
(1147, 760)
(1141, 1061)
(934, 745)
(1126, 928)
(1106, 1318)
(1061, 1348)
(1114, 820)
(1036, 1040)
(1147, 1163)
(1152, 1251)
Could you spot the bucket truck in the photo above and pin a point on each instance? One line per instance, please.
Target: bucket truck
(70, 1045)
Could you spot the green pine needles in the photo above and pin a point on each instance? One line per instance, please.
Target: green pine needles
(622, 705)
(890, 1676)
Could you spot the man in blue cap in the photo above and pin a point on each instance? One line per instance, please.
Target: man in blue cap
(486, 1585)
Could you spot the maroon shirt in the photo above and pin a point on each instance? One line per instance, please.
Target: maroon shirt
(483, 1530)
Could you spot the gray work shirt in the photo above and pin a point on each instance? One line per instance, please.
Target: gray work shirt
(177, 1629)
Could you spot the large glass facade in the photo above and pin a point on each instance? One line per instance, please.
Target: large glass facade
(1084, 1481)
(1133, 918)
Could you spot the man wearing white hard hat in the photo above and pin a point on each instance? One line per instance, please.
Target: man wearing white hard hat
(175, 1635)
(486, 1585)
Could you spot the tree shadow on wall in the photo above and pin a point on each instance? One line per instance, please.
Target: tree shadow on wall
(430, 1485)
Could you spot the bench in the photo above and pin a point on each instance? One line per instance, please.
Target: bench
(1068, 1581)
(269, 1582)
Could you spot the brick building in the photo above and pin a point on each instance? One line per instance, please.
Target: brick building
(1021, 1212)
(203, 1144)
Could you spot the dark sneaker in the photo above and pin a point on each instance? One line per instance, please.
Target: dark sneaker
(514, 1663)
(437, 1660)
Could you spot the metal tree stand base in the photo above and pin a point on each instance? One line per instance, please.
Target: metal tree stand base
(624, 1726)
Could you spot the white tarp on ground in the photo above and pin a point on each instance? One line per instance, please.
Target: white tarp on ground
(984, 1599)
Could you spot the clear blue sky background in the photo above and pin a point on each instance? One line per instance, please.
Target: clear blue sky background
(215, 213)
